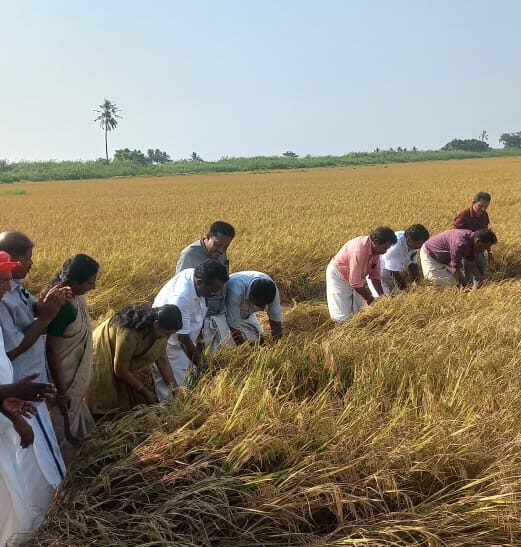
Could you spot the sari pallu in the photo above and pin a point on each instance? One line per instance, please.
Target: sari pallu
(76, 361)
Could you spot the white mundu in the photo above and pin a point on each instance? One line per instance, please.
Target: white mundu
(16, 515)
(397, 259)
(180, 291)
(42, 462)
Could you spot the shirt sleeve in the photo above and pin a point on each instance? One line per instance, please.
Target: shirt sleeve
(392, 259)
(458, 251)
(357, 266)
(13, 336)
(63, 319)
(184, 307)
(234, 299)
(460, 220)
(274, 309)
(185, 261)
(126, 343)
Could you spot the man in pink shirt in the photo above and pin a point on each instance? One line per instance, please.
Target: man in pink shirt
(346, 273)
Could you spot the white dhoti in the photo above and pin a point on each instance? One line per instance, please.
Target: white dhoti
(251, 329)
(182, 368)
(42, 462)
(342, 299)
(16, 516)
(216, 333)
(434, 271)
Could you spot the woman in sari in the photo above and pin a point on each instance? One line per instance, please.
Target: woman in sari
(126, 347)
(69, 353)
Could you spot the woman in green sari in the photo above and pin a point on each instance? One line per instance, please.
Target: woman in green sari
(69, 353)
(126, 346)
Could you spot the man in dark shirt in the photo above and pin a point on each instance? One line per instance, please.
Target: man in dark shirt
(442, 255)
(475, 218)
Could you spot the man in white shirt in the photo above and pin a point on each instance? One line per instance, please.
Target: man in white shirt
(247, 293)
(401, 259)
(188, 290)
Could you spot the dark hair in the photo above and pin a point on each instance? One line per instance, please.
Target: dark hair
(486, 235)
(211, 271)
(383, 234)
(221, 227)
(76, 269)
(265, 289)
(15, 243)
(417, 232)
(481, 196)
(142, 316)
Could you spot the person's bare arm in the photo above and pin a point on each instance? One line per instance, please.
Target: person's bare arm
(414, 272)
(276, 329)
(399, 280)
(189, 348)
(459, 276)
(237, 336)
(27, 390)
(45, 311)
(122, 372)
(365, 293)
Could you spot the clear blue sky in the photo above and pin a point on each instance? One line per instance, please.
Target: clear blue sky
(242, 78)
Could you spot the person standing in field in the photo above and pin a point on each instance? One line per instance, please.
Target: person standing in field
(347, 271)
(69, 352)
(17, 517)
(24, 319)
(188, 290)
(126, 347)
(442, 255)
(247, 293)
(212, 247)
(476, 218)
(400, 260)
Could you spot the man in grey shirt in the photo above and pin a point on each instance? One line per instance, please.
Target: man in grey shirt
(214, 246)
(247, 293)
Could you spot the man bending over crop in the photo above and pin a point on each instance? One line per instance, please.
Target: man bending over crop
(246, 293)
(346, 274)
(442, 255)
(401, 259)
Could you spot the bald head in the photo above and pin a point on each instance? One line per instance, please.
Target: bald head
(16, 244)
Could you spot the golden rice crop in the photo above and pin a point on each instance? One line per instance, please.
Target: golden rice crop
(288, 223)
(401, 427)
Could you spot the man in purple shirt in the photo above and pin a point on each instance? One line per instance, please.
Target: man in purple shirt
(442, 256)
(475, 218)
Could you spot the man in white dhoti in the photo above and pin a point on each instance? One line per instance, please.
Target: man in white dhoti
(401, 260)
(23, 320)
(212, 247)
(247, 293)
(188, 291)
(17, 517)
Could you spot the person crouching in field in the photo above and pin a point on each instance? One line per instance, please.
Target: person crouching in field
(442, 256)
(246, 293)
(24, 319)
(126, 346)
(400, 259)
(214, 246)
(188, 290)
(69, 352)
(347, 271)
(475, 218)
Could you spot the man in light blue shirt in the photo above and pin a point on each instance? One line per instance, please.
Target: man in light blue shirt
(246, 293)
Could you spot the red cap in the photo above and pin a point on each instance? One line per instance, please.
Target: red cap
(6, 262)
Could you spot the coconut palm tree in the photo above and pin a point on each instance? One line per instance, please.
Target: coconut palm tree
(108, 119)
